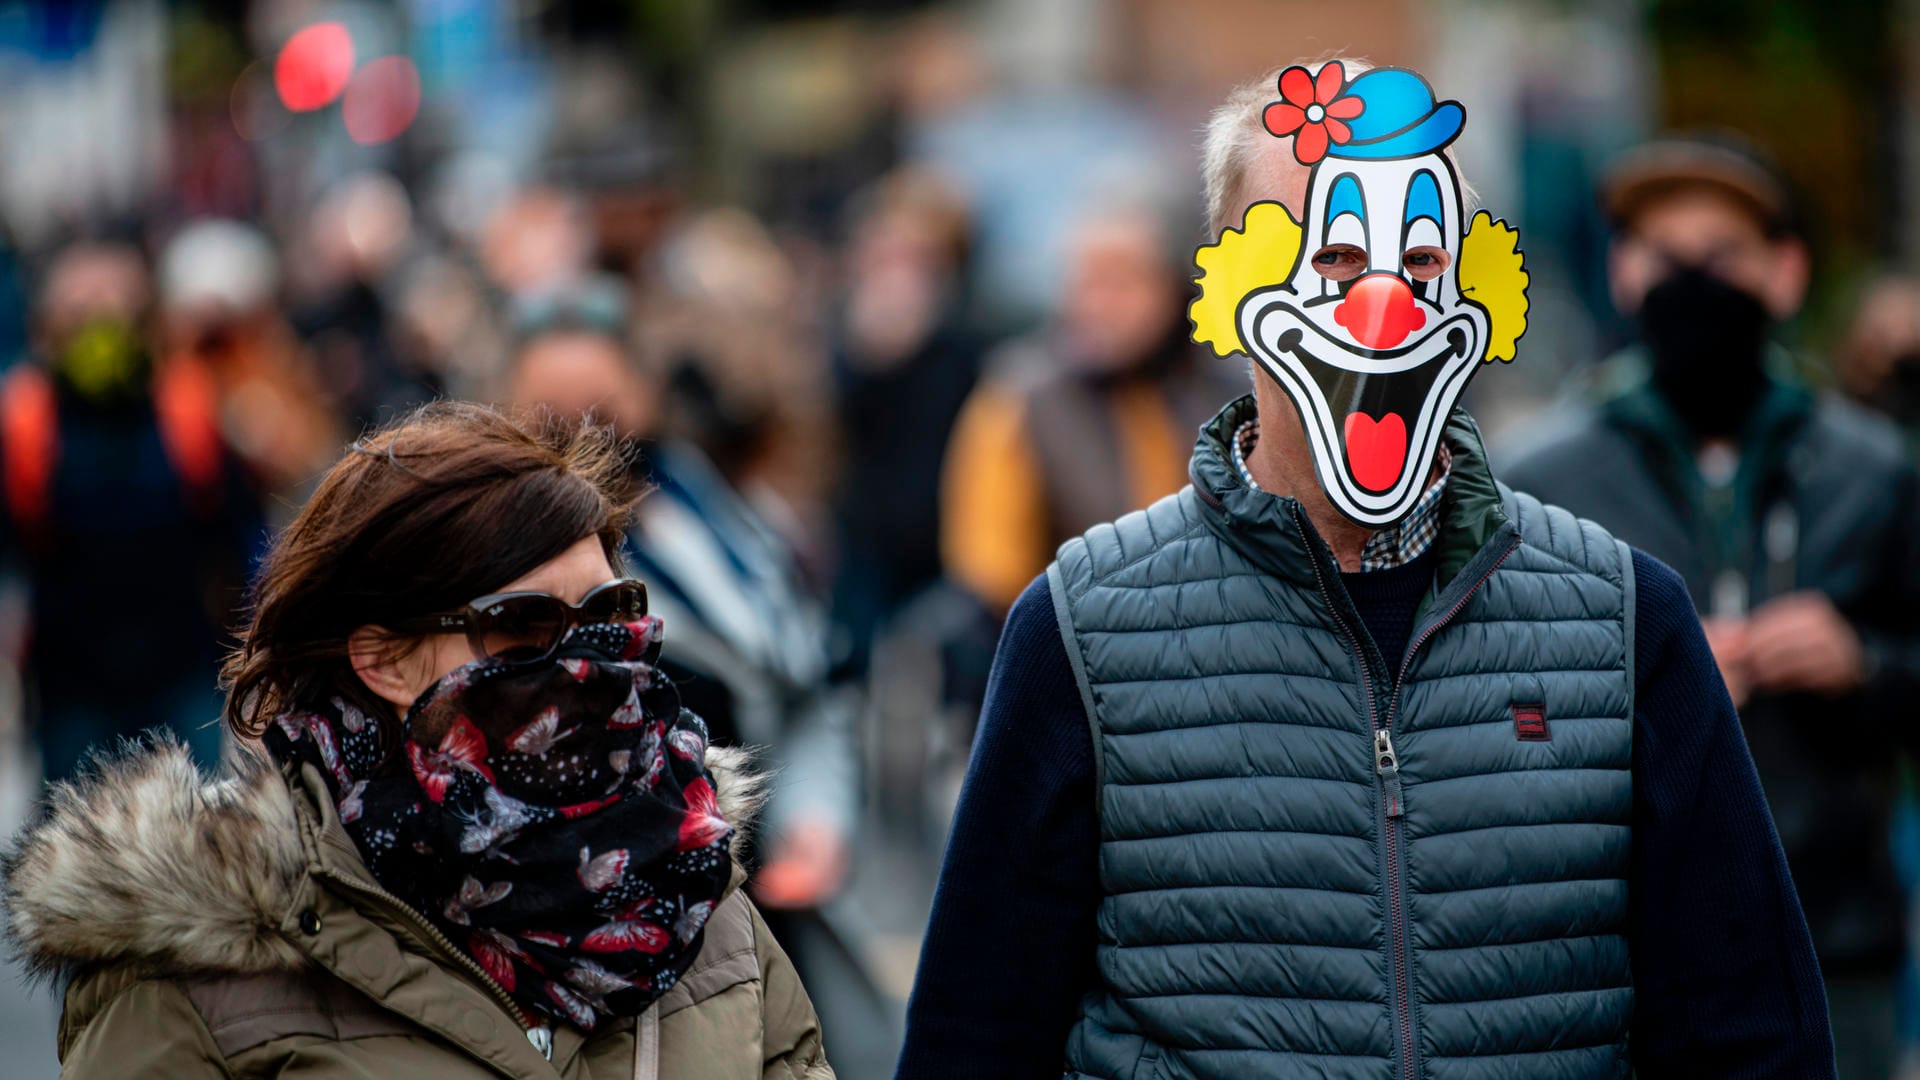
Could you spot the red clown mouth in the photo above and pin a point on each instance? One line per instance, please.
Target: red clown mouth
(1376, 449)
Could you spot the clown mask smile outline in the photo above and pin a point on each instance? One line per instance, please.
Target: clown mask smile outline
(1366, 451)
(1260, 307)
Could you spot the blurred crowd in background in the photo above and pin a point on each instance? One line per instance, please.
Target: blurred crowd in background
(892, 295)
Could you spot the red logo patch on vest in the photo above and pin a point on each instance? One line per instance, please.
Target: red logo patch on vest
(1530, 723)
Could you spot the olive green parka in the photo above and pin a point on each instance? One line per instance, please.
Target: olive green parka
(230, 929)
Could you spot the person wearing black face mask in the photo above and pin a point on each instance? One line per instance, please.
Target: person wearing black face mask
(1792, 519)
(1707, 343)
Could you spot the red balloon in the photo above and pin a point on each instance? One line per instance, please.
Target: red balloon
(313, 66)
(382, 100)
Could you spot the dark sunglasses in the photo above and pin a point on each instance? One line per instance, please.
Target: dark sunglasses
(525, 626)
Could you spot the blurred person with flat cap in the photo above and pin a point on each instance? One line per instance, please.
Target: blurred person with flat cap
(1793, 519)
(751, 645)
(1086, 420)
(1347, 760)
(126, 514)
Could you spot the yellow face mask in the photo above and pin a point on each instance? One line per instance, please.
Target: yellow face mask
(104, 359)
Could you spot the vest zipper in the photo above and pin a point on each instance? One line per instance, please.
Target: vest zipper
(1388, 768)
(538, 1034)
(1392, 803)
(1388, 765)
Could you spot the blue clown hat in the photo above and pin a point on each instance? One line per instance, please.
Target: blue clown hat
(1400, 119)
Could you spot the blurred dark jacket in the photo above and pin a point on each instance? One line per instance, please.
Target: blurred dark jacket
(1823, 498)
(1044, 451)
(894, 424)
(132, 525)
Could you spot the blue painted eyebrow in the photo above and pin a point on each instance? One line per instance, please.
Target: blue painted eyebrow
(1423, 199)
(1346, 199)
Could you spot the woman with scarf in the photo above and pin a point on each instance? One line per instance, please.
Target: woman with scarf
(483, 838)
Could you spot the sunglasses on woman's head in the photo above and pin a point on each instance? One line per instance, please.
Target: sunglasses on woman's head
(520, 627)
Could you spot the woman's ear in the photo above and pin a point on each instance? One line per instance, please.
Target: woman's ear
(381, 662)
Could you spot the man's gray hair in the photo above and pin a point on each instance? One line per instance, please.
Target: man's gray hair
(1235, 133)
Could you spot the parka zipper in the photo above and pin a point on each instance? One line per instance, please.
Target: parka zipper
(538, 1034)
(1392, 804)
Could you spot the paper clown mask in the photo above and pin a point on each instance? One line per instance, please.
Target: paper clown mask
(1375, 311)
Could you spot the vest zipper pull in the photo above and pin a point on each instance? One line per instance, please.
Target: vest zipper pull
(1388, 767)
(542, 1040)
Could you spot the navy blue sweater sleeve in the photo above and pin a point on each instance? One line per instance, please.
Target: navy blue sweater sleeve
(1010, 947)
(1725, 980)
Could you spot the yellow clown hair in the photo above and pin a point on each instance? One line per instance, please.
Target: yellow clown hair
(1260, 253)
(1492, 274)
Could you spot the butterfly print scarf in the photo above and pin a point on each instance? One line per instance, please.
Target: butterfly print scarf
(555, 820)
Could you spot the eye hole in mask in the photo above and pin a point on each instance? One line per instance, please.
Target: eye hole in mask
(1426, 262)
(1340, 262)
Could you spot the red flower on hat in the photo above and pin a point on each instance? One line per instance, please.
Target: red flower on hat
(1313, 110)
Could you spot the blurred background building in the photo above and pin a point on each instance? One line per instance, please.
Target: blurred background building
(825, 235)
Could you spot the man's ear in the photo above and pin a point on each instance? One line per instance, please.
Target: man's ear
(1793, 271)
(381, 663)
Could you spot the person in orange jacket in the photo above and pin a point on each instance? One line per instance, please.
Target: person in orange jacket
(1091, 418)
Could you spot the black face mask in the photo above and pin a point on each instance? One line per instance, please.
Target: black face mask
(1708, 341)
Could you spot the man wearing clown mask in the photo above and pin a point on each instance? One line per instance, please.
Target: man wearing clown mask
(1347, 760)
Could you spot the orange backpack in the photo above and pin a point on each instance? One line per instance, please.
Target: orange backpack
(186, 406)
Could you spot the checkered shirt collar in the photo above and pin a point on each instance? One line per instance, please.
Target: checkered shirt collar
(1393, 546)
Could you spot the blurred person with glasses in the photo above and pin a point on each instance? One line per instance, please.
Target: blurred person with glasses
(484, 836)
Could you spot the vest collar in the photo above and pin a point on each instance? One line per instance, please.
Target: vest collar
(1270, 530)
(1274, 532)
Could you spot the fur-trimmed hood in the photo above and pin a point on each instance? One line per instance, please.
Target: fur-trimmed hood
(144, 861)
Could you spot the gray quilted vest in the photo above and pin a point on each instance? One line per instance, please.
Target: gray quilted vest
(1307, 872)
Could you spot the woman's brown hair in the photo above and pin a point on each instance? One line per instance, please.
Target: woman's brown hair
(449, 503)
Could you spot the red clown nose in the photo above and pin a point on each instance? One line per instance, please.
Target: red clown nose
(1379, 311)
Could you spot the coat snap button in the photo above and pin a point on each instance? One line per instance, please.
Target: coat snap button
(309, 922)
